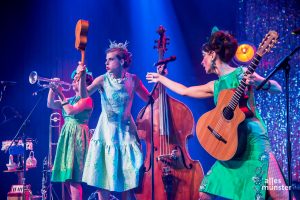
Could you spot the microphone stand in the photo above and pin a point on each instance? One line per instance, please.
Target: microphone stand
(284, 64)
(24, 143)
(151, 102)
(16, 115)
(7, 120)
(2, 91)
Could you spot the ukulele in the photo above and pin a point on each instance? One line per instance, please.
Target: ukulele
(81, 32)
(217, 129)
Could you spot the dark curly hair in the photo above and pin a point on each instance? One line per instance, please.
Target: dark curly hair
(89, 79)
(223, 43)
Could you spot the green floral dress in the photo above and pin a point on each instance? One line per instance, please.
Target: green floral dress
(241, 177)
(72, 146)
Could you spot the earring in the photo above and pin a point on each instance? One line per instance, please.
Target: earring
(213, 64)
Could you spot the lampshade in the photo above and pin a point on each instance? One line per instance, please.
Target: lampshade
(244, 53)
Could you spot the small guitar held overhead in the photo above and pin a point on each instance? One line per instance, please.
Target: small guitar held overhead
(81, 31)
(217, 129)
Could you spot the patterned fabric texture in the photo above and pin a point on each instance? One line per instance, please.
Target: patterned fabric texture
(72, 146)
(243, 176)
(114, 156)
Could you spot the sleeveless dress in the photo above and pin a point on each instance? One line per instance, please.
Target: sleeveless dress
(241, 177)
(114, 156)
(72, 146)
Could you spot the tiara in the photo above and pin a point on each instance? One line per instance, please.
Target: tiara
(114, 44)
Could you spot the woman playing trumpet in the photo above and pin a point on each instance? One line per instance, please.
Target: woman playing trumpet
(74, 137)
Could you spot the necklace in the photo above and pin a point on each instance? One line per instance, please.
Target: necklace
(119, 80)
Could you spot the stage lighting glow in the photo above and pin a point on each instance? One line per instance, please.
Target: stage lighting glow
(244, 53)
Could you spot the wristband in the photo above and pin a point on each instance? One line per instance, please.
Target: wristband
(64, 103)
(268, 86)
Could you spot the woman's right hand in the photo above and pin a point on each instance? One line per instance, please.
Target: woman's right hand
(162, 70)
(55, 87)
(152, 77)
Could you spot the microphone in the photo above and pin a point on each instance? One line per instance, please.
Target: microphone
(296, 31)
(38, 91)
(165, 61)
(8, 83)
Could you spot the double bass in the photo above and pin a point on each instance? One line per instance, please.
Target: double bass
(176, 175)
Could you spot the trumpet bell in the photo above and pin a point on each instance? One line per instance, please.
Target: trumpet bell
(33, 77)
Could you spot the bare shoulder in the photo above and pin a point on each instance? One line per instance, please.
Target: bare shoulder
(138, 83)
(135, 79)
(134, 76)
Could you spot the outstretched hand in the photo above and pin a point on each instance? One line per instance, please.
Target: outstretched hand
(152, 77)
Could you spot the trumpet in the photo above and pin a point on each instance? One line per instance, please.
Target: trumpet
(34, 78)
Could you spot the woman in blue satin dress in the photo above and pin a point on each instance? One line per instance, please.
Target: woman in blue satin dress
(114, 157)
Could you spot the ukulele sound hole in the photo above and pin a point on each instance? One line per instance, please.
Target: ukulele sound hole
(228, 113)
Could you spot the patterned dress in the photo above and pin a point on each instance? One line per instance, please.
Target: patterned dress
(241, 177)
(114, 156)
(72, 146)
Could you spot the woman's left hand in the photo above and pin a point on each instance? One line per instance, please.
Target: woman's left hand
(57, 88)
(252, 79)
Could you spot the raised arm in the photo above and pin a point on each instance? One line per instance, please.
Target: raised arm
(82, 80)
(62, 103)
(96, 85)
(81, 105)
(84, 90)
(53, 90)
(51, 102)
(201, 91)
(271, 86)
